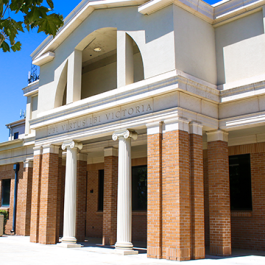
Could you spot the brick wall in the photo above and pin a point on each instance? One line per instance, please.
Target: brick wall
(219, 198)
(94, 219)
(7, 172)
(176, 222)
(248, 227)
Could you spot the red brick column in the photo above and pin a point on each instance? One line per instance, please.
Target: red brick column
(197, 192)
(176, 209)
(24, 200)
(219, 193)
(35, 199)
(81, 197)
(154, 200)
(59, 195)
(48, 196)
(110, 196)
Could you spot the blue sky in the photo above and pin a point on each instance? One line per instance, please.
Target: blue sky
(14, 68)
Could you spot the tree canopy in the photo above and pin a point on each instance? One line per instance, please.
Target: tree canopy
(17, 15)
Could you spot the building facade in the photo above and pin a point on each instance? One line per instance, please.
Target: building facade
(146, 125)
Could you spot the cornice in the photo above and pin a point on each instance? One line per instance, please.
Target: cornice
(31, 89)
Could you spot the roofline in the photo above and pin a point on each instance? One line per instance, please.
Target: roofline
(16, 123)
(79, 14)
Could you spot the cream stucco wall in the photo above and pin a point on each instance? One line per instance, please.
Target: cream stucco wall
(194, 45)
(240, 49)
(153, 34)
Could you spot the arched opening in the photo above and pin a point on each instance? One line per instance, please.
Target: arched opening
(60, 97)
(138, 68)
(99, 62)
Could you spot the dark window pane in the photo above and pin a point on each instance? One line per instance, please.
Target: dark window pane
(16, 135)
(139, 188)
(240, 182)
(100, 189)
(6, 192)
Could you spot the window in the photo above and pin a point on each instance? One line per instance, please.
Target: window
(16, 135)
(139, 188)
(240, 182)
(6, 192)
(100, 189)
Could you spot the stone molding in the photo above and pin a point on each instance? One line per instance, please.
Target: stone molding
(37, 150)
(175, 124)
(125, 134)
(110, 151)
(28, 163)
(71, 144)
(50, 148)
(154, 127)
(218, 135)
(195, 128)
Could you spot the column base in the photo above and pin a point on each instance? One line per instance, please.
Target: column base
(69, 245)
(126, 252)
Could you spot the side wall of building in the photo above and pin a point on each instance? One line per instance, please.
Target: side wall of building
(247, 226)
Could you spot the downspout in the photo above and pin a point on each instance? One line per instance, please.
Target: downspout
(16, 169)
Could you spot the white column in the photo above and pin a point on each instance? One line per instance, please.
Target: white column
(124, 59)
(69, 225)
(124, 205)
(74, 77)
(28, 115)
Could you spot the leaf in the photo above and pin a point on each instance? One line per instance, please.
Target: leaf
(16, 46)
(5, 47)
(50, 3)
(50, 24)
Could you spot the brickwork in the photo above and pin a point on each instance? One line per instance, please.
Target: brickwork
(35, 199)
(94, 220)
(154, 200)
(248, 226)
(48, 199)
(206, 198)
(197, 198)
(7, 172)
(176, 223)
(219, 198)
(81, 200)
(110, 200)
(139, 227)
(24, 202)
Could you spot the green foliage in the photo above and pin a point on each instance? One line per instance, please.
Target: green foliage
(35, 15)
(5, 213)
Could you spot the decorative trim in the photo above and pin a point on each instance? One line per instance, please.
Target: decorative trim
(175, 124)
(195, 128)
(125, 134)
(28, 163)
(154, 128)
(217, 136)
(71, 144)
(111, 151)
(45, 58)
(50, 148)
(37, 150)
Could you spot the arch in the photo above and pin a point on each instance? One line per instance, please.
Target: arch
(61, 87)
(138, 38)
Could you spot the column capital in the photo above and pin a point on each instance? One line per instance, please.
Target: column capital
(110, 151)
(28, 163)
(50, 148)
(37, 150)
(176, 124)
(154, 127)
(195, 128)
(218, 135)
(71, 144)
(125, 134)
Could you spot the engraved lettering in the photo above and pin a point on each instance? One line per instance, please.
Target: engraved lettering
(124, 112)
(137, 109)
(142, 108)
(107, 116)
(118, 114)
(148, 107)
(130, 111)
